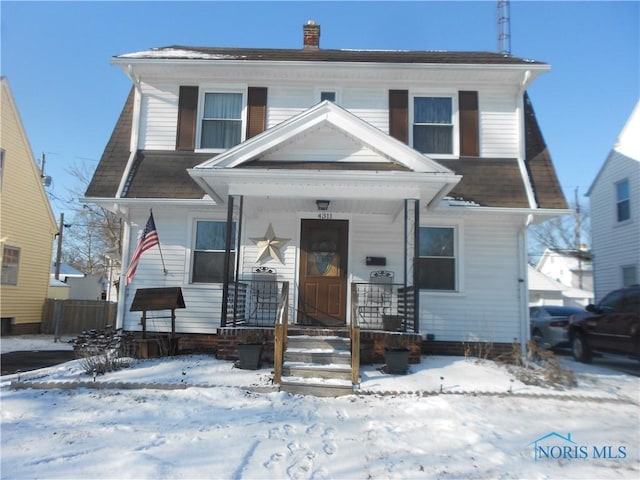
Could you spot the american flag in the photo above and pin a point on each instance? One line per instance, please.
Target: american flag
(148, 239)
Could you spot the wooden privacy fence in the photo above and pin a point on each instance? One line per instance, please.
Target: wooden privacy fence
(62, 317)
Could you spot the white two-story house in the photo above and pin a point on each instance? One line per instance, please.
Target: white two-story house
(330, 171)
(614, 197)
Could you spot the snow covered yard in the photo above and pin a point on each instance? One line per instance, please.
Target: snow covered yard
(227, 424)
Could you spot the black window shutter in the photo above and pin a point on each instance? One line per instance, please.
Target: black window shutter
(187, 114)
(399, 115)
(469, 124)
(256, 111)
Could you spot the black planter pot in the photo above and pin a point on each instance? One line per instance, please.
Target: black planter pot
(397, 360)
(249, 356)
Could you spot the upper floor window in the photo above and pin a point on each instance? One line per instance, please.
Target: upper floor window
(10, 262)
(328, 95)
(221, 120)
(437, 262)
(623, 204)
(209, 251)
(433, 125)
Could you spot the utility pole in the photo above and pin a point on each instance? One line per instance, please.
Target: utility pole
(59, 254)
(576, 235)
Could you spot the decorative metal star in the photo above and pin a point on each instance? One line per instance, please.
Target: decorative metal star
(270, 245)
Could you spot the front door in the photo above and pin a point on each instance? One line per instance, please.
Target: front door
(323, 272)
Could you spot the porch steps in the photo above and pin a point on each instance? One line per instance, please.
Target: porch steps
(317, 365)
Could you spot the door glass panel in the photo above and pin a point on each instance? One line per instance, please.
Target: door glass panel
(323, 256)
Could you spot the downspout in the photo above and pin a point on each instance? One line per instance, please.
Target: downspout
(123, 287)
(523, 282)
(522, 146)
(135, 130)
(133, 147)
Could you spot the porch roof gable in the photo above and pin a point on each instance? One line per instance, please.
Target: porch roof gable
(325, 116)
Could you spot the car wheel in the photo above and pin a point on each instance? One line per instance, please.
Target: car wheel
(580, 349)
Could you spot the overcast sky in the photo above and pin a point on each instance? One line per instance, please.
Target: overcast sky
(56, 57)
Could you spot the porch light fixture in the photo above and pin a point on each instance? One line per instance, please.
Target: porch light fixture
(323, 205)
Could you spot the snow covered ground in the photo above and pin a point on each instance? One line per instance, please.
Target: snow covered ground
(197, 417)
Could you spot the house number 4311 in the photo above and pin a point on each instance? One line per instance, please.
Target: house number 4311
(325, 216)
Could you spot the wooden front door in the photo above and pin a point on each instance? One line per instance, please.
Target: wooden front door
(322, 298)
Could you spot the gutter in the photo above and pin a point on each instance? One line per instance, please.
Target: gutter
(523, 283)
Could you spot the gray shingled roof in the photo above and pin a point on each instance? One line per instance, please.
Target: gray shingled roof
(179, 52)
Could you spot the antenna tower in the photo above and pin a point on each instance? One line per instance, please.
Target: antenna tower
(504, 27)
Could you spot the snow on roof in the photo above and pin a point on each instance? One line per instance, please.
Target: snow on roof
(180, 53)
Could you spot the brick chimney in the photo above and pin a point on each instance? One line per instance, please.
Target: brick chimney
(311, 35)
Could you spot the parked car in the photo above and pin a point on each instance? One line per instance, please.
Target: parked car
(550, 324)
(613, 326)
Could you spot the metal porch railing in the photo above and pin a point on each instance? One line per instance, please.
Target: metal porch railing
(389, 307)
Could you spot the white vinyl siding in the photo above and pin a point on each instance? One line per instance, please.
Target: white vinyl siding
(498, 124)
(615, 244)
(158, 117)
(488, 264)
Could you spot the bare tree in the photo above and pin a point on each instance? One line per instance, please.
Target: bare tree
(567, 232)
(93, 238)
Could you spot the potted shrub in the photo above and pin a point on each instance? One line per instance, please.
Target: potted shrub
(396, 353)
(250, 344)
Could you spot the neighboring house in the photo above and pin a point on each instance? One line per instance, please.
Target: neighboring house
(572, 268)
(27, 226)
(615, 213)
(80, 286)
(322, 168)
(544, 290)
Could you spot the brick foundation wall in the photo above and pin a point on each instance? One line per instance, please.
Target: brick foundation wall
(224, 345)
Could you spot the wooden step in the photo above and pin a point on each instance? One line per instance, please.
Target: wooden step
(316, 387)
(319, 342)
(312, 370)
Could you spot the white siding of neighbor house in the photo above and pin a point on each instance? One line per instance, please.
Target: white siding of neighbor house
(614, 244)
(487, 252)
(499, 129)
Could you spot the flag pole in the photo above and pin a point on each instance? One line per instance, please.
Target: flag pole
(164, 269)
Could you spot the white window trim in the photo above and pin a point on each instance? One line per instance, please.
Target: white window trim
(192, 222)
(455, 119)
(202, 91)
(458, 236)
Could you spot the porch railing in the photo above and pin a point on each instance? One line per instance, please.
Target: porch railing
(389, 307)
(355, 341)
(280, 333)
(254, 302)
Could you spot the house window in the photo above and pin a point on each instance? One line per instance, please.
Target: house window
(10, 262)
(437, 262)
(622, 201)
(433, 125)
(629, 275)
(208, 252)
(326, 95)
(221, 120)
